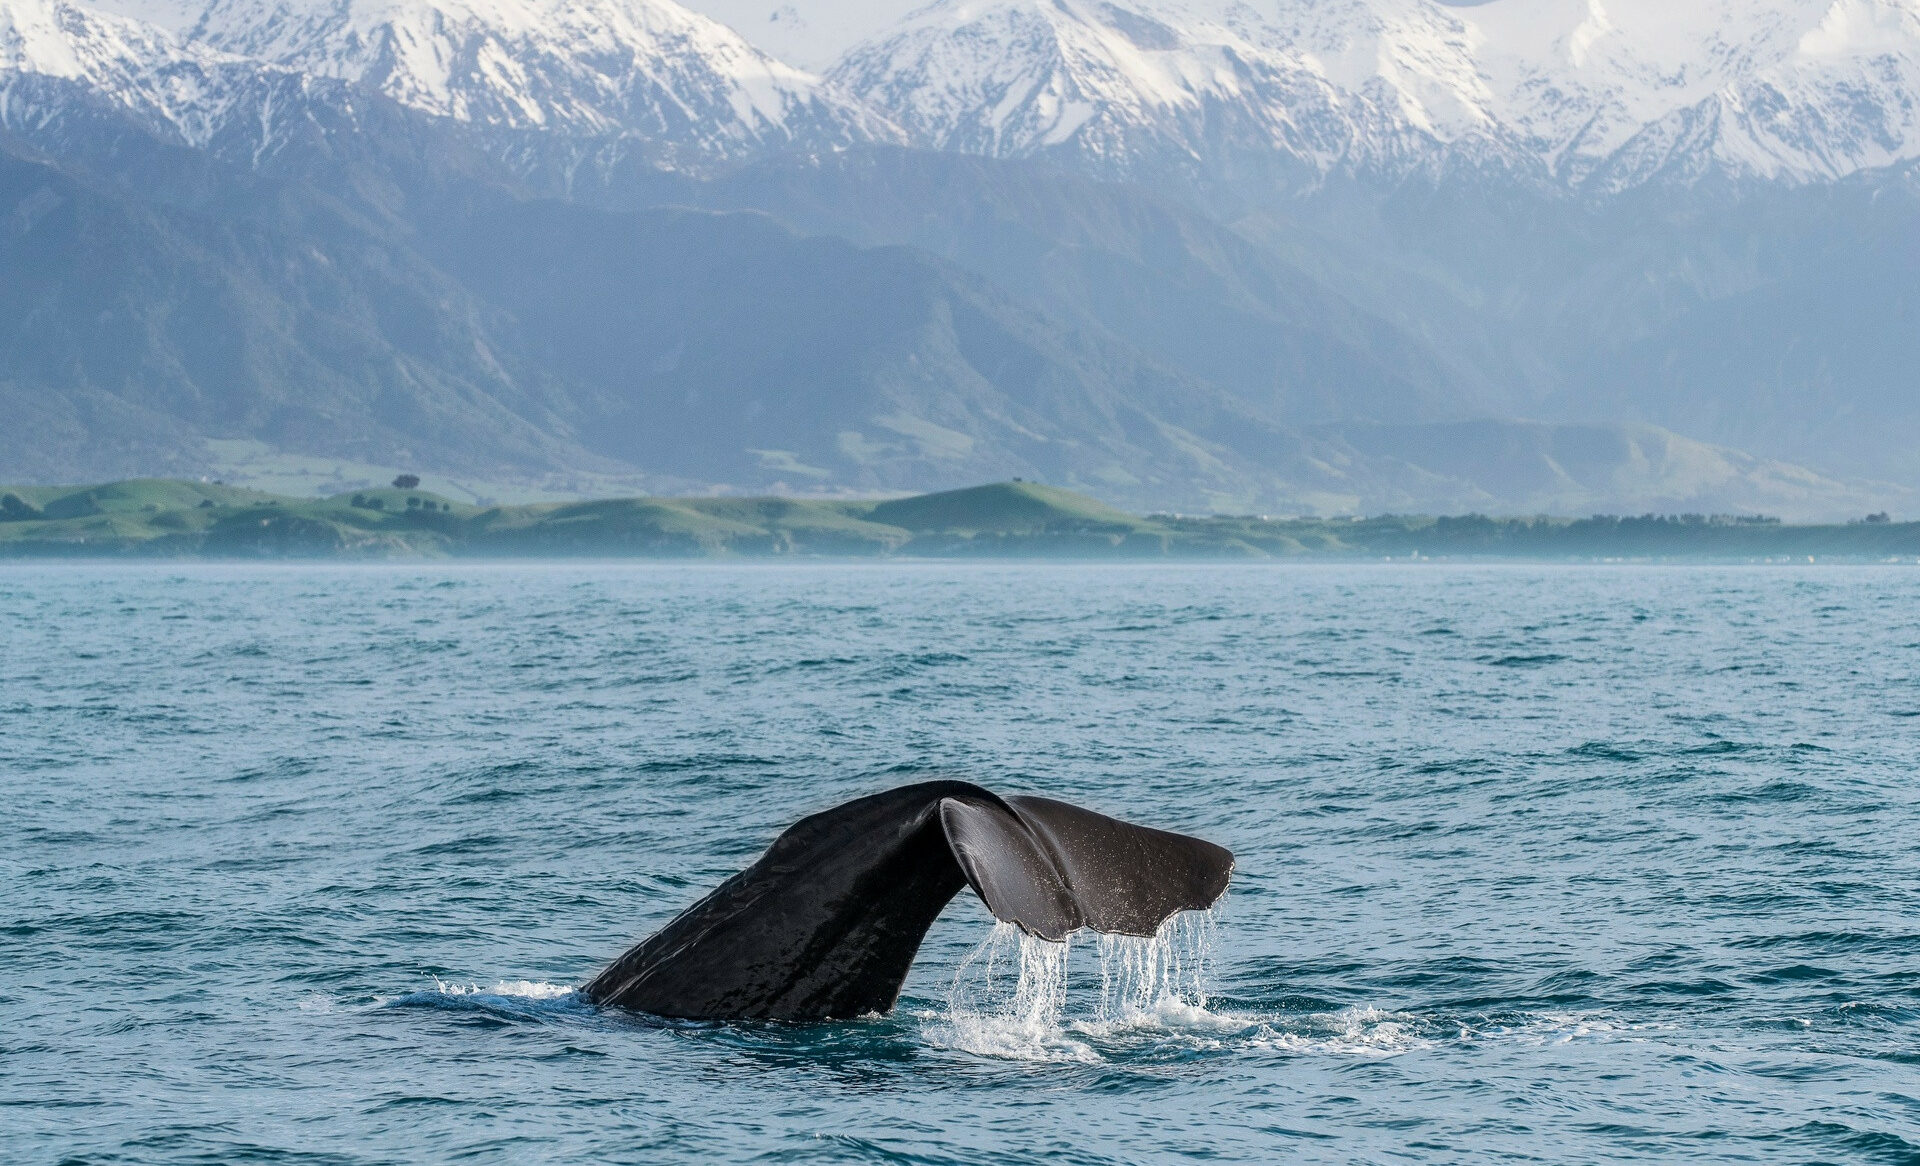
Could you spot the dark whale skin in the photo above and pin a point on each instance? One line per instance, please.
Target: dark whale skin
(826, 923)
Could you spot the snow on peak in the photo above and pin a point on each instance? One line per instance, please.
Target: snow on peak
(640, 69)
(595, 66)
(1595, 93)
(518, 63)
(52, 49)
(1592, 90)
(1862, 28)
(1099, 78)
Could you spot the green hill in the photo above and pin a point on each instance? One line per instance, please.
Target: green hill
(1004, 507)
(680, 527)
(166, 517)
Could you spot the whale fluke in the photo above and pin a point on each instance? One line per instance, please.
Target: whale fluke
(826, 923)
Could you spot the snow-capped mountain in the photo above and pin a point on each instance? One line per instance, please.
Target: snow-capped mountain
(647, 67)
(1595, 94)
(151, 288)
(645, 71)
(1607, 92)
(1113, 86)
(1620, 89)
(59, 60)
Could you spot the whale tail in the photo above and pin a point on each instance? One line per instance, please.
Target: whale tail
(825, 925)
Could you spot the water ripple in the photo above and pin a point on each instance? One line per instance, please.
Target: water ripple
(303, 864)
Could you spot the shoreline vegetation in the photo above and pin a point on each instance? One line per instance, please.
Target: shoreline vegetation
(172, 519)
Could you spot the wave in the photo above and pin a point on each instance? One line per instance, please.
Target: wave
(503, 1000)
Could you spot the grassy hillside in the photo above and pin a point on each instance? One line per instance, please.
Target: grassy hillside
(681, 527)
(178, 519)
(1007, 507)
(185, 519)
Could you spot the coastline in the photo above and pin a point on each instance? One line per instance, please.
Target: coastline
(182, 521)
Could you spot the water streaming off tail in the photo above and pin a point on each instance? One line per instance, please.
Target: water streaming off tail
(1011, 995)
(1148, 979)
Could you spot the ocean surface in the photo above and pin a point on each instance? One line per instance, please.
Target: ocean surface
(1534, 863)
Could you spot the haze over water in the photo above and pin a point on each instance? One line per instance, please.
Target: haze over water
(1534, 863)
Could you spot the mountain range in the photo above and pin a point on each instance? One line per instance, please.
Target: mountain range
(1352, 255)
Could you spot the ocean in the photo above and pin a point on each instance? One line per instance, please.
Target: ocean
(1543, 863)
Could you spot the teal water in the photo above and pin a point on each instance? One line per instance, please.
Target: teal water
(1551, 864)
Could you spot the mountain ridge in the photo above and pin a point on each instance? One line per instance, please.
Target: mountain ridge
(1589, 97)
(1151, 245)
(1557, 92)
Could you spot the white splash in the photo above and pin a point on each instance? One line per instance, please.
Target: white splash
(1357, 1032)
(525, 989)
(1008, 999)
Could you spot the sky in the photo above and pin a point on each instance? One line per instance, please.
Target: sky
(807, 33)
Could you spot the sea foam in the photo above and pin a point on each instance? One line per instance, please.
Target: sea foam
(523, 989)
